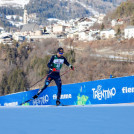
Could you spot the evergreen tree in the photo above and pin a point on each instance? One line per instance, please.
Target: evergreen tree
(14, 82)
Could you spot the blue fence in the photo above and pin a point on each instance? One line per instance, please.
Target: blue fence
(107, 91)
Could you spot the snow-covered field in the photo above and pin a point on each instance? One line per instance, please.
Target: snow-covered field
(15, 3)
(94, 119)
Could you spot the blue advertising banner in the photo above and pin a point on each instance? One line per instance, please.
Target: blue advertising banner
(107, 91)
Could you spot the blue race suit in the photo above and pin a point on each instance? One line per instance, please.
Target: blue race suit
(55, 62)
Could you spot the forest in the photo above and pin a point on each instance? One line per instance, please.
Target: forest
(21, 67)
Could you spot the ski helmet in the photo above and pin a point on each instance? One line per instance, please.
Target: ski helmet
(60, 50)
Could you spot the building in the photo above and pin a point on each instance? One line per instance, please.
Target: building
(89, 35)
(73, 35)
(129, 32)
(120, 22)
(25, 17)
(113, 23)
(6, 39)
(18, 37)
(117, 22)
(84, 23)
(101, 18)
(31, 30)
(107, 34)
(85, 36)
(58, 28)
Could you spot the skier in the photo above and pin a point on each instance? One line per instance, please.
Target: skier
(54, 66)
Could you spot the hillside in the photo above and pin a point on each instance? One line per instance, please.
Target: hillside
(71, 8)
(60, 9)
(124, 12)
(126, 9)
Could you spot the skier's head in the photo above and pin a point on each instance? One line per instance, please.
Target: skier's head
(60, 51)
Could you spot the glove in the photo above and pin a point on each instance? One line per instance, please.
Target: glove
(35, 96)
(54, 69)
(72, 67)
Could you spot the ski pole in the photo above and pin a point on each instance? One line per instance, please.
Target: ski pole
(46, 76)
(49, 74)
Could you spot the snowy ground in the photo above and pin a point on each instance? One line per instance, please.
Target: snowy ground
(15, 3)
(95, 119)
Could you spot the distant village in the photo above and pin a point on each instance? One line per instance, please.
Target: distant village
(77, 29)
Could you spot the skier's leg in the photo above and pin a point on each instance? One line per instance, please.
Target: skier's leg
(47, 82)
(59, 84)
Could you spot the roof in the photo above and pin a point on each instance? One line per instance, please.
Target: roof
(84, 19)
(30, 27)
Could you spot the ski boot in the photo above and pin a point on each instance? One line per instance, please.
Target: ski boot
(57, 102)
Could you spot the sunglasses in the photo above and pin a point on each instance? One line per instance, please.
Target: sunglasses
(60, 52)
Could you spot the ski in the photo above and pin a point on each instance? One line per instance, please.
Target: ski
(65, 105)
(61, 105)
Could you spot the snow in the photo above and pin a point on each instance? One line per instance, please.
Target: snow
(9, 17)
(89, 8)
(15, 3)
(94, 119)
(113, 57)
(53, 19)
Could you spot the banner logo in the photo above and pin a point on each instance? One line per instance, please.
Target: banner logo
(63, 96)
(11, 104)
(126, 90)
(41, 100)
(100, 93)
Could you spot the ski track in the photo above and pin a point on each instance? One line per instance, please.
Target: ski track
(92, 119)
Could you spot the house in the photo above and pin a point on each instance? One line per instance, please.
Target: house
(73, 35)
(49, 29)
(58, 28)
(117, 22)
(18, 37)
(101, 18)
(31, 30)
(88, 35)
(7, 39)
(120, 22)
(106, 34)
(113, 23)
(129, 32)
(84, 23)
(85, 36)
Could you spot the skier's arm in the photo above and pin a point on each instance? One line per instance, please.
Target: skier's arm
(50, 63)
(66, 62)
